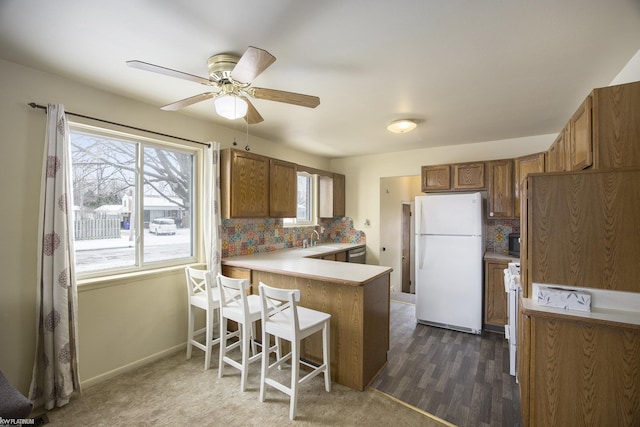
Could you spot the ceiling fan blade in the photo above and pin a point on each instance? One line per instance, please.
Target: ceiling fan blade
(188, 101)
(252, 116)
(288, 97)
(252, 62)
(168, 72)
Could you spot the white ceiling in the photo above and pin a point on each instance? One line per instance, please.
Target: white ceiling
(467, 70)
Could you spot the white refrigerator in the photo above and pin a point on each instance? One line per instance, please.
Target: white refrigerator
(449, 247)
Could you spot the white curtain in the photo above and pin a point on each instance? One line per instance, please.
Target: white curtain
(55, 368)
(212, 241)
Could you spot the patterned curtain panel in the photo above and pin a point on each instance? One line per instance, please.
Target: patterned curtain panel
(55, 370)
(212, 242)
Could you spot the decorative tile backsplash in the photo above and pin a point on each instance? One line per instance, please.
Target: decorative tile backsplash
(249, 236)
(497, 234)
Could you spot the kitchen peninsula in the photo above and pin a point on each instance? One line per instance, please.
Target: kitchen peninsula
(356, 296)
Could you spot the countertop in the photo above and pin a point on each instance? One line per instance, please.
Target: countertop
(618, 318)
(495, 256)
(298, 262)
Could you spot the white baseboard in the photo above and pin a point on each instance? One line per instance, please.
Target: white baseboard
(133, 365)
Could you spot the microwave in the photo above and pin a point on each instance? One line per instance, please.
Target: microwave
(514, 244)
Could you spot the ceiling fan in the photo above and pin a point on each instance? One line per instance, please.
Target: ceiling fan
(231, 78)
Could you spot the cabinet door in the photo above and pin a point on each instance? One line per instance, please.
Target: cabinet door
(500, 194)
(339, 193)
(436, 178)
(616, 126)
(555, 161)
(495, 298)
(468, 176)
(282, 189)
(580, 137)
(245, 190)
(523, 167)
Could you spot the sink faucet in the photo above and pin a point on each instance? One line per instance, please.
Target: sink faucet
(315, 242)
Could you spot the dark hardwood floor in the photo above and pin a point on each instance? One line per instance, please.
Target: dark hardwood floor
(458, 377)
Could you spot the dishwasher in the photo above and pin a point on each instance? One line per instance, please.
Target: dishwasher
(358, 255)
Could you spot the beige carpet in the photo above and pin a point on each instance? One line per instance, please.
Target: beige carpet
(176, 392)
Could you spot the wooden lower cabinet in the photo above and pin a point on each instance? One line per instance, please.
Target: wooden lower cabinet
(578, 372)
(495, 298)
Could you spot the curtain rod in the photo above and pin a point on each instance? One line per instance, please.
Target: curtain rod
(42, 107)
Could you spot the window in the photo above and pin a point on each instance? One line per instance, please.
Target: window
(133, 202)
(307, 202)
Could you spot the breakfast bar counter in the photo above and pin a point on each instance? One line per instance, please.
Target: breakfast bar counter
(356, 296)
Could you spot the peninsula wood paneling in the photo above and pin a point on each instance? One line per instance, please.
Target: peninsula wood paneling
(359, 324)
(584, 229)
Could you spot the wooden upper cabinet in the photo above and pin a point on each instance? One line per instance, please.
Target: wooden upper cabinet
(436, 178)
(468, 176)
(616, 126)
(331, 195)
(582, 230)
(523, 166)
(339, 195)
(244, 184)
(500, 193)
(556, 158)
(580, 138)
(282, 189)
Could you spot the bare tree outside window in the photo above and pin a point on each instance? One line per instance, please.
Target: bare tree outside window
(120, 186)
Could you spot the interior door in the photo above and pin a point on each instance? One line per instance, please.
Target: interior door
(406, 248)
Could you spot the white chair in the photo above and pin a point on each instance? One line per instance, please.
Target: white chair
(292, 323)
(243, 309)
(201, 295)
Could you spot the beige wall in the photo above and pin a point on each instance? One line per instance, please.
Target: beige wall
(122, 324)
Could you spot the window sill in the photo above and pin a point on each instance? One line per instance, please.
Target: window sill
(127, 278)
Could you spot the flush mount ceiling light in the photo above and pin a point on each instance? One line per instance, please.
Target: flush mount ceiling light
(231, 107)
(402, 126)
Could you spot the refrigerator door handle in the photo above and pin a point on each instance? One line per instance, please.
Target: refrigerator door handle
(421, 249)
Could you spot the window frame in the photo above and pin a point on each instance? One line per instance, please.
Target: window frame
(294, 222)
(196, 229)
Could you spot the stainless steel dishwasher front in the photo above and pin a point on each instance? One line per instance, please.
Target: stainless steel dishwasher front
(358, 255)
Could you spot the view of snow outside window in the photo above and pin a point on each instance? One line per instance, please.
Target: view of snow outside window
(125, 188)
(305, 201)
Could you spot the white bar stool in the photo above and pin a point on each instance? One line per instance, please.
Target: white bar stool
(243, 309)
(201, 295)
(292, 323)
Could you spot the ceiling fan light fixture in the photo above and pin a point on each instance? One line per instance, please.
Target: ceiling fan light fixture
(231, 107)
(402, 126)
